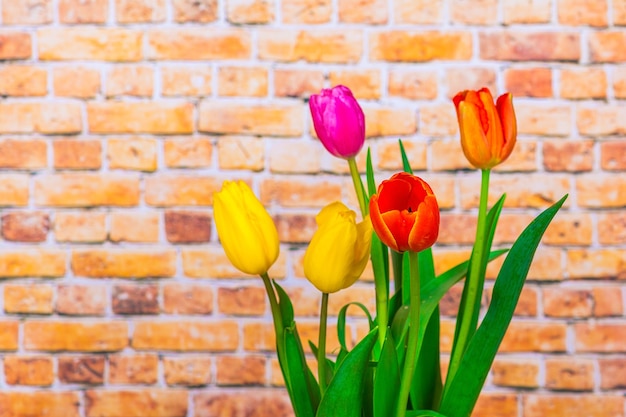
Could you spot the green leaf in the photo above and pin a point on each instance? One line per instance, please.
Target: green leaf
(285, 306)
(464, 389)
(405, 161)
(387, 380)
(423, 413)
(299, 386)
(344, 395)
(330, 365)
(369, 174)
(341, 322)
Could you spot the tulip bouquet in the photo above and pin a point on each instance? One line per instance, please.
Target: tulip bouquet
(395, 370)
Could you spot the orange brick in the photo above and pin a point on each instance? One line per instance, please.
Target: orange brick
(592, 405)
(23, 153)
(619, 81)
(389, 158)
(569, 374)
(15, 45)
(389, 122)
(102, 263)
(186, 81)
(583, 83)
(273, 120)
(601, 190)
(282, 153)
(211, 262)
(168, 190)
(187, 371)
(25, 226)
(413, 84)
(460, 79)
(131, 299)
(418, 11)
(83, 11)
(496, 405)
(259, 337)
(596, 337)
(474, 12)
(45, 117)
(363, 11)
(28, 299)
(187, 152)
(601, 121)
(134, 227)
(133, 369)
(23, 80)
(13, 190)
(362, 294)
(523, 158)
(571, 156)
(438, 120)
(215, 336)
(407, 46)
(328, 46)
(596, 263)
(612, 228)
(187, 299)
(48, 263)
(250, 11)
(83, 190)
(567, 302)
(307, 304)
(290, 193)
(447, 155)
(23, 12)
(241, 301)
(365, 84)
(606, 46)
(136, 403)
(48, 403)
(80, 227)
(242, 81)
(583, 12)
(201, 11)
(569, 229)
(306, 11)
(77, 154)
(130, 80)
(28, 370)
(187, 226)
(612, 373)
(527, 11)
(545, 120)
(75, 336)
(247, 370)
(518, 373)
(81, 369)
(619, 13)
(198, 44)
(139, 154)
(82, 300)
(272, 402)
(529, 46)
(140, 11)
(140, 117)
(297, 83)
(534, 337)
(9, 333)
(613, 155)
(76, 81)
(89, 43)
(607, 302)
(241, 152)
(529, 82)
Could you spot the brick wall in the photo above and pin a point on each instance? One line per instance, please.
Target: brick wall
(119, 118)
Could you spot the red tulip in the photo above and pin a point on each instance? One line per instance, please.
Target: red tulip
(405, 213)
(339, 121)
(488, 131)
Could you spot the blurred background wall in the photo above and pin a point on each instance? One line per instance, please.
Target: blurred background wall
(120, 118)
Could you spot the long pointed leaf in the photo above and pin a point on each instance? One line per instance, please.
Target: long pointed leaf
(387, 380)
(369, 174)
(344, 395)
(299, 386)
(464, 389)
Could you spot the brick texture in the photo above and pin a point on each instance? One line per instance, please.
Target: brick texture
(119, 119)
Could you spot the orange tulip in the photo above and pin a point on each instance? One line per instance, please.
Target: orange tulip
(488, 131)
(405, 213)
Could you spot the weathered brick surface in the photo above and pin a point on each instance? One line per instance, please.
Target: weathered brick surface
(119, 119)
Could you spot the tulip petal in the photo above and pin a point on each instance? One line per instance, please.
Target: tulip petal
(506, 111)
(381, 228)
(473, 139)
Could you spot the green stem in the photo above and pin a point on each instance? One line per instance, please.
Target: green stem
(396, 264)
(358, 186)
(473, 289)
(410, 361)
(321, 346)
(277, 318)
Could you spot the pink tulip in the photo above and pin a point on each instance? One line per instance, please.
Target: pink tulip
(339, 121)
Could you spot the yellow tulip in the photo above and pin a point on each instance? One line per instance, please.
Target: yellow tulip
(339, 250)
(246, 231)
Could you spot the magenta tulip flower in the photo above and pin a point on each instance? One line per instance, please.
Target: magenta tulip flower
(339, 121)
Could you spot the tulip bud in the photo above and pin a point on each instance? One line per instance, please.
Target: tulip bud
(488, 131)
(339, 121)
(339, 250)
(405, 213)
(246, 231)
